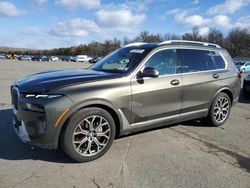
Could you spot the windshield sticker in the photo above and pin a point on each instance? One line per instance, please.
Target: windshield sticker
(139, 51)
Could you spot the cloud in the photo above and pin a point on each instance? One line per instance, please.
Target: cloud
(243, 22)
(123, 20)
(40, 39)
(185, 18)
(195, 2)
(203, 31)
(8, 9)
(228, 7)
(106, 22)
(75, 28)
(38, 2)
(182, 17)
(106, 25)
(136, 5)
(188, 19)
(173, 11)
(221, 20)
(193, 20)
(87, 4)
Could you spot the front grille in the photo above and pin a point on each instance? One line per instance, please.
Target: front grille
(15, 96)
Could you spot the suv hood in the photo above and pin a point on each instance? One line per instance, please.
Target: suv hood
(45, 81)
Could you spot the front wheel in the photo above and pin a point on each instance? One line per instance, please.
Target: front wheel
(88, 135)
(220, 110)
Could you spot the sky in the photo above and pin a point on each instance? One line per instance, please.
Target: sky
(46, 24)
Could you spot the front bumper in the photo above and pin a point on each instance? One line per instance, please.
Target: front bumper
(34, 119)
(20, 129)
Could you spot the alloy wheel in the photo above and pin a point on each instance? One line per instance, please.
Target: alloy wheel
(221, 109)
(91, 135)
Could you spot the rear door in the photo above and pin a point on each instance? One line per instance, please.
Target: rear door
(201, 80)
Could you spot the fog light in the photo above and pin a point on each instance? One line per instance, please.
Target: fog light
(32, 107)
(28, 106)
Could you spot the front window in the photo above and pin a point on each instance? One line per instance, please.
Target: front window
(164, 61)
(120, 61)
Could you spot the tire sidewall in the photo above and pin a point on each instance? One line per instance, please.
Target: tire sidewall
(72, 124)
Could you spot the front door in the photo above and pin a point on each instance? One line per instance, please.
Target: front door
(157, 98)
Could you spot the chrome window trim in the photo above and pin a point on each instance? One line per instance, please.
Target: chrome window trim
(135, 72)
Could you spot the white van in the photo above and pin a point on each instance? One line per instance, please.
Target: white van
(82, 58)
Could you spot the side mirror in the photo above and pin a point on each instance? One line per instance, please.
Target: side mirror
(150, 72)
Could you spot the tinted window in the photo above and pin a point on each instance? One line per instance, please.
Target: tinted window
(164, 61)
(197, 60)
(219, 61)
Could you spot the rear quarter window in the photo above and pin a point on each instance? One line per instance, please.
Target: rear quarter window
(197, 60)
(219, 61)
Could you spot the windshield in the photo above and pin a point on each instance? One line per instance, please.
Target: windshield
(120, 61)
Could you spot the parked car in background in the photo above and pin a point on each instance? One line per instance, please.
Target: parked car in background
(68, 58)
(239, 64)
(82, 58)
(245, 67)
(11, 56)
(95, 59)
(53, 58)
(40, 58)
(246, 86)
(24, 57)
(2, 56)
(155, 85)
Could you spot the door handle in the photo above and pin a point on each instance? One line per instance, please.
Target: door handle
(175, 82)
(216, 76)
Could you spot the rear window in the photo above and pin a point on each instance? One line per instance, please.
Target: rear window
(201, 60)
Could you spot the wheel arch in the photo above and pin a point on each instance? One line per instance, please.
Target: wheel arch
(106, 105)
(226, 90)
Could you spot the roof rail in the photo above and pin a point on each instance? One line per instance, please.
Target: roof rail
(189, 42)
(135, 44)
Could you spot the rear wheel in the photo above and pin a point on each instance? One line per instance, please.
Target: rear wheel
(220, 110)
(88, 135)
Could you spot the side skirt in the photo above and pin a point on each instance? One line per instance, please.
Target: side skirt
(150, 124)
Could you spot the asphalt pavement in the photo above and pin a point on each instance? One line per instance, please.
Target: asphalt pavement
(189, 154)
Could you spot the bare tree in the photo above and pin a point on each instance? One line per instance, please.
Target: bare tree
(215, 36)
(194, 35)
(169, 36)
(238, 42)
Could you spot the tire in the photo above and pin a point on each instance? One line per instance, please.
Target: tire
(218, 115)
(83, 143)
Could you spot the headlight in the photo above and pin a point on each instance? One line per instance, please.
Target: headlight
(42, 96)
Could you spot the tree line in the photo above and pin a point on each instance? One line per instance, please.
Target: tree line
(237, 42)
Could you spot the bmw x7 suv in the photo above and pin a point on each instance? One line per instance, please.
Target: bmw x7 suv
(139, 86)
